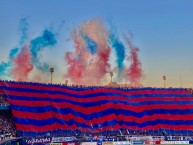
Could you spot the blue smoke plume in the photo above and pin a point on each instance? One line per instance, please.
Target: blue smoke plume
(4, 69)
(24, 27)
(13, 52)
(41, 66)
(6, 66)
(91, 45)
(47, 39)
(119, 50)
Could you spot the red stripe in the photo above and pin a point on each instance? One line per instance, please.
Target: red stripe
(100, 107)
(67, 117)
(97, 98)
(96, 90)
(46, 128)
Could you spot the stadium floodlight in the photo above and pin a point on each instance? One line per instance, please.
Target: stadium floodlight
(164, 79)
(51, 72)
(111, 75)
(66, 82)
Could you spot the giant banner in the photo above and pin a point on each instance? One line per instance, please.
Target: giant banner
(39, 108)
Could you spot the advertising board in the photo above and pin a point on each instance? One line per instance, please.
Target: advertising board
(122, 143)
(89, 143)
(107, 143)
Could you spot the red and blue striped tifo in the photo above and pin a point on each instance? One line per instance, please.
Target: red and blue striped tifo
(41, 108)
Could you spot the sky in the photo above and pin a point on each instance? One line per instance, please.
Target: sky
(161, 29)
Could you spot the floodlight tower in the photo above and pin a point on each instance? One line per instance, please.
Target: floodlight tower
(180, 81)
(66, 82)
(51, 72)
(164, 79)
(111, 75)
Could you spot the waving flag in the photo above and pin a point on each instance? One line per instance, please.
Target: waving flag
(40, 108)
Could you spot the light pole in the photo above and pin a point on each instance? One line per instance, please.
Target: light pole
(180, 81)
(51, 72)
(164, 79)
(66, 82)
(111, 75)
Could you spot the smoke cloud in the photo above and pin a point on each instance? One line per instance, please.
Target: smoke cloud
(88, 64)
(90, 61)
(6, 66)
(91, 53)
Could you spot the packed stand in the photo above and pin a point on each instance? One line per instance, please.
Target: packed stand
(7, 127)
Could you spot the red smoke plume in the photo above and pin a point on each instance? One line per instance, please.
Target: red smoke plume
(104, 58)
(134, 72)
(75, 60)
(75, 69)
(22, 65)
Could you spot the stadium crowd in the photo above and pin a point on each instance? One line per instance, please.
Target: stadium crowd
(7, 127)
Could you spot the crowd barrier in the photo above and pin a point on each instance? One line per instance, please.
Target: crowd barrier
(4, 106)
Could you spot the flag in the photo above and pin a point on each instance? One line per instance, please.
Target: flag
(40, 108)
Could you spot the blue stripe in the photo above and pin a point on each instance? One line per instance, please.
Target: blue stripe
(102, 113)
(110, 123)
(102, 102)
